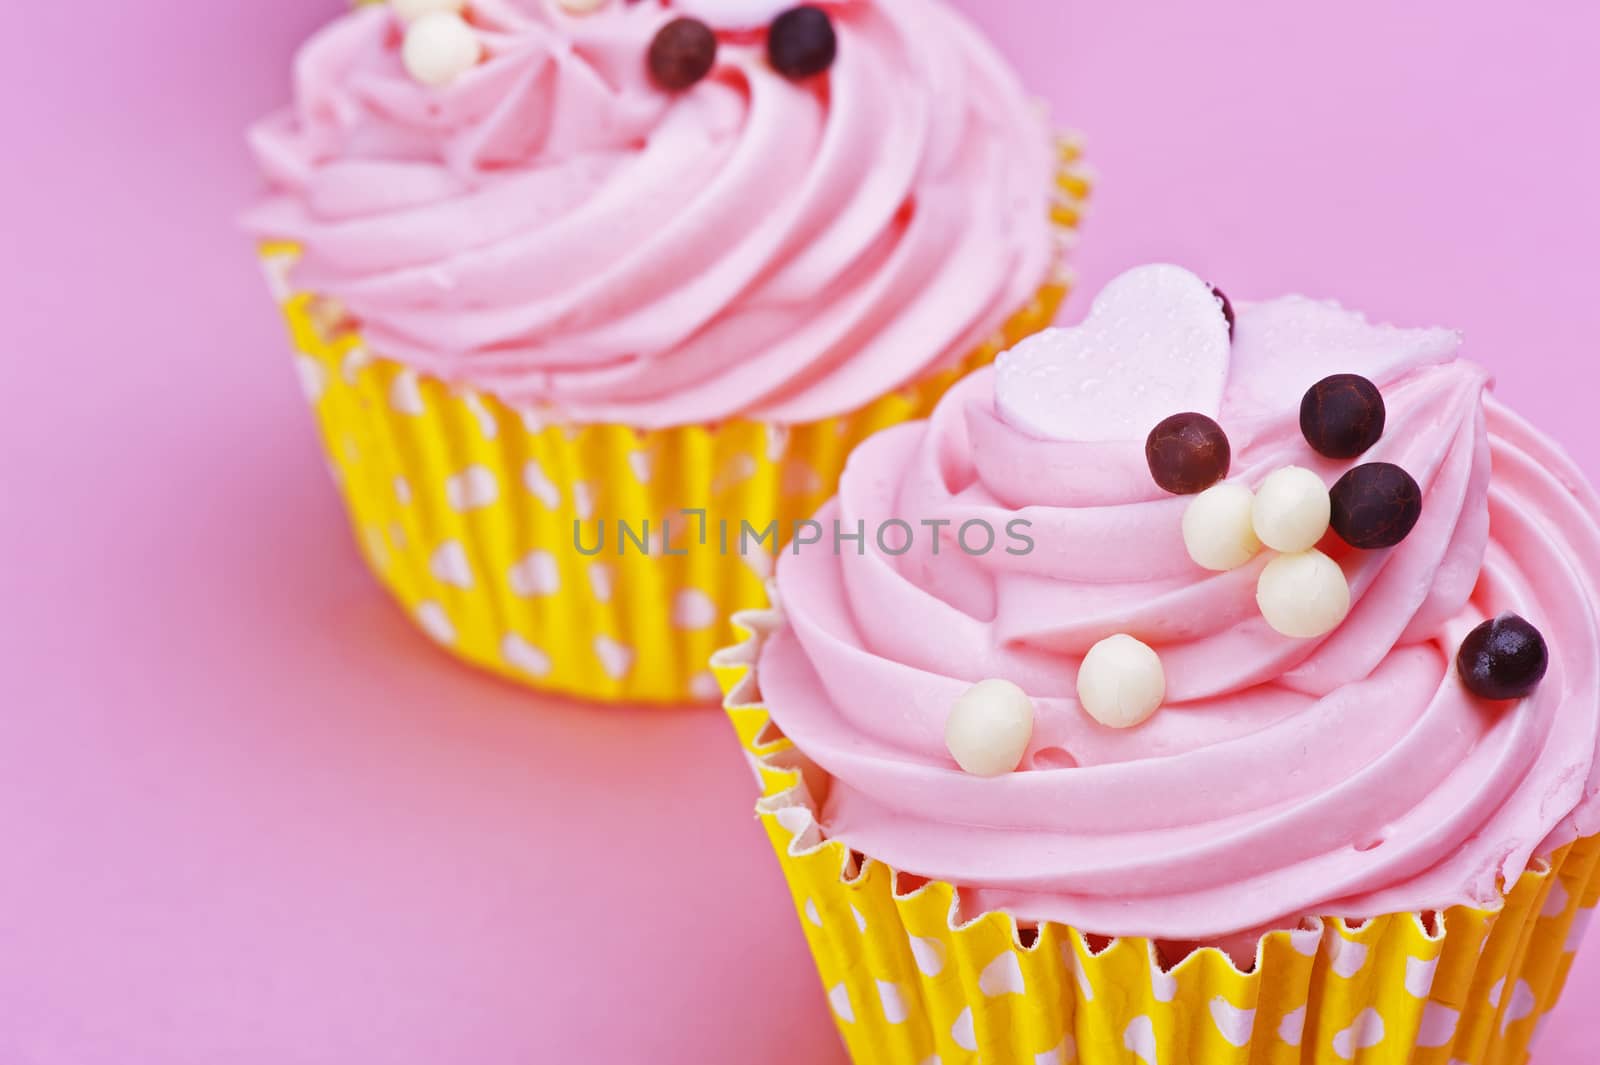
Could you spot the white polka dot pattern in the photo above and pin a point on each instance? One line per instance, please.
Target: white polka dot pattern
(693, 609)
(313, 378)
(405, 394)
(535, 575)
(1003, 976)
(1232, 1022)
(839, 999)
(606, 632)
(894, 1003)
(436, 623)
(615, 657)
(1467, 985)
(472, 489)
(524, 657)
(451, 566)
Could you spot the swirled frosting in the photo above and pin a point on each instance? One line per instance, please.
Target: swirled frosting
(554, 229)
(1350, 775)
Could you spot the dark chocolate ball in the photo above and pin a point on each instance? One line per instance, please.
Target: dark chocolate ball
(1227, 308)
(683, 52)
(801, 43)
(1505, 658)
(1188, 453)
(1342, 416)
(1375, 505)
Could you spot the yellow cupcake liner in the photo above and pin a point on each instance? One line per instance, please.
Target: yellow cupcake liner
(910, 982)
(466, 508)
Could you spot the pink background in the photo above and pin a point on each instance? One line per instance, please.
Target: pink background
(250, 816)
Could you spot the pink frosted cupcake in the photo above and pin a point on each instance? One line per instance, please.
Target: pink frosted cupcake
(599, 262)
(1266, 732)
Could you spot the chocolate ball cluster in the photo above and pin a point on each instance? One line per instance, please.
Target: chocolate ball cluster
(1373, 506)
(1376, 504)
(801, 43)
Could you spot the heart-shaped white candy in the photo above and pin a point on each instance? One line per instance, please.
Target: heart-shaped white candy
(1155, 344)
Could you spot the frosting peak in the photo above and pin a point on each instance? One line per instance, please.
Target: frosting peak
(554, 228)
(1349, 775)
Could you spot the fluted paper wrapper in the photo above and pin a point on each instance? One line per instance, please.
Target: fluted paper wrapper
(465, 508)
(912, 983)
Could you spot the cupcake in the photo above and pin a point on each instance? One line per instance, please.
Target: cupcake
(1214, 683)
(578, 286)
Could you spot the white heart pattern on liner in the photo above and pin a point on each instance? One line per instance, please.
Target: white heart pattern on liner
(1419, 976)
(1306, 941)
(1069, 958)
(405, 393)
(436, 623)
(1155, 344)
(449, 565)
(1234, 1023)
(524, 656)
(1293, 1026)
(1163, 985)
(486, 423)
(1140, 1037)
(737, 470)
(1065, 1053)
(471, 489)
(1003, 976)
(963, 1032)
(929, 954)
(1347, 955)
(600, 581)
(1521, 1005)
(705, 687)
(693, 610)
(355, 360)
(1555, 902)
(313, 378)
(1366, 1032)
(894, 1004)
(537, 574)
(839, 999)
(583, 500)
(539, 483)
(615, 658)
(1438, 1025)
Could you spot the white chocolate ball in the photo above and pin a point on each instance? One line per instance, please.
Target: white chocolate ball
(1121, 682)
(1303, 595)
(1218, 527)
(1292, 510)
(439, 48)
(989, 728)
(580, 7)
(411, 10)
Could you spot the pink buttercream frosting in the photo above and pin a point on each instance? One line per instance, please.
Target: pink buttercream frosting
(554, 229)
(1350, 775)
